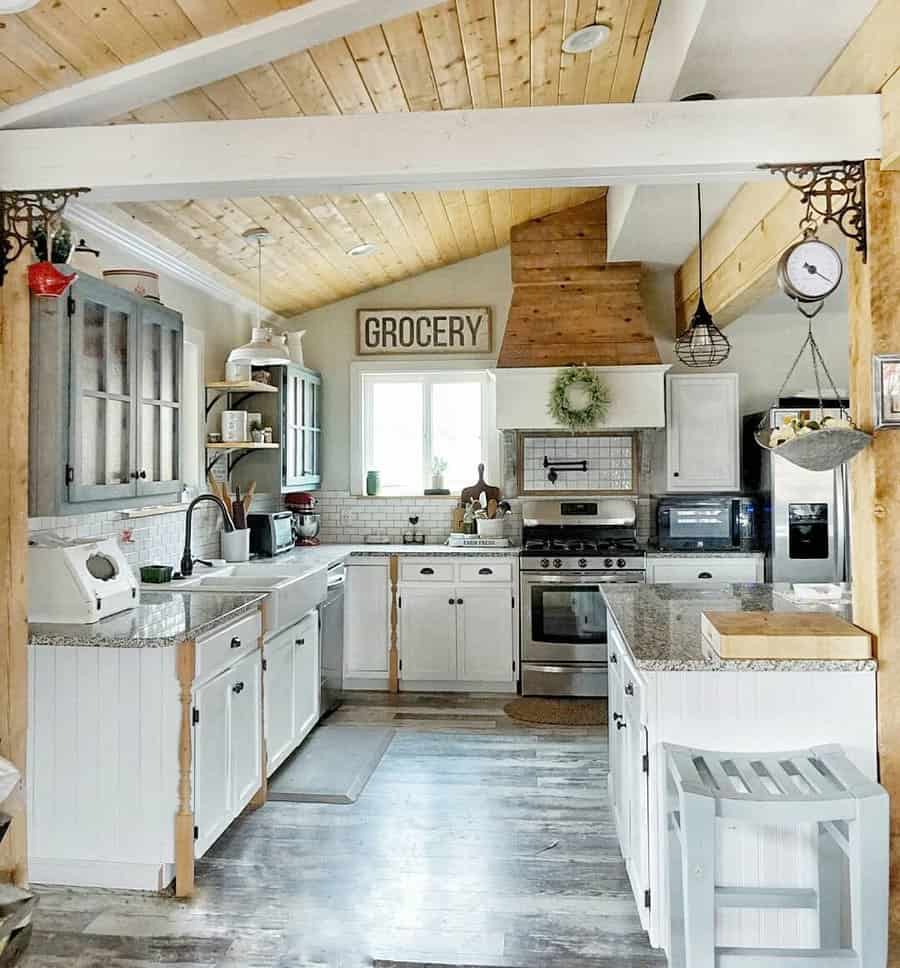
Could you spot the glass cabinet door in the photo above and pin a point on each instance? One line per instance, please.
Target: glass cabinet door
(302, 428)
(102, 350)
(159, 418)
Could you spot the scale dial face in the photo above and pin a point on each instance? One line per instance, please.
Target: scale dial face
(810, 270)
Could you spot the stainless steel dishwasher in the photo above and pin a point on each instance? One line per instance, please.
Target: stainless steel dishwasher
(331, 640)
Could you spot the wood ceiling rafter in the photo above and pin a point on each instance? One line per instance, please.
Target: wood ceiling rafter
(455, 54)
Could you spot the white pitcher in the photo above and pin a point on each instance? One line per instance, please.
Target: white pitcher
(295, 346)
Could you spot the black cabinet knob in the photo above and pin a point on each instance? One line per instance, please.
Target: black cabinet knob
(621, 724)
(451, 601)
(143, 474)
(459, 601)
(614, 659)
(426, 571)
(235, 643)
(237, 688)
(629, 689)
(704, 574)
(617, 717)
(300, 641)
(485, 571)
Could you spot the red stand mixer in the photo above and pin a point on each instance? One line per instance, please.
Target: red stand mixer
(306, 518)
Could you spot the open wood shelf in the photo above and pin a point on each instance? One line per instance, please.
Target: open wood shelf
(242, 445)
(243, 386)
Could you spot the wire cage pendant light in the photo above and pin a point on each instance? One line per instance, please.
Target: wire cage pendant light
(702, 344)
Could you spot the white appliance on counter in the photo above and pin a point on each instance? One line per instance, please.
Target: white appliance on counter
(78, 580)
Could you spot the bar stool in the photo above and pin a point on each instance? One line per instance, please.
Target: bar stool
(818, 785)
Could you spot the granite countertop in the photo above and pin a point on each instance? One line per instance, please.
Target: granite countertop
(162, 619)
(661, 626)
(700, 553)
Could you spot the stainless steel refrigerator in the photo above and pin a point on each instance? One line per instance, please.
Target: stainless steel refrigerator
(806, 518)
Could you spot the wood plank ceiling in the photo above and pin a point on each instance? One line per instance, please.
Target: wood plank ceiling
(456, 54)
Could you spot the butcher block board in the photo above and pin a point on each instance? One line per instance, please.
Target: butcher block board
(784, 635)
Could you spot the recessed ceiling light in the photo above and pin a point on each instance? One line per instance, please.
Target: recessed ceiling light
(581, 41)
(16, 6)
(364, 248)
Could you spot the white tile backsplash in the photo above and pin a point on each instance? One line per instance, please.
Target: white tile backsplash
(608, 458)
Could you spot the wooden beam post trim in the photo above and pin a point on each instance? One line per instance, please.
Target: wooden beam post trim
(184, 818)
(14, 394)
(393, 654)
(259, 798)
(875, 483)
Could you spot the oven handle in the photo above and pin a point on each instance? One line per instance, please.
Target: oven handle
(636, 578)
(561, 669)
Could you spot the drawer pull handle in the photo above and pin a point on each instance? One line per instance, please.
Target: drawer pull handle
(235, 643)
(704, 574)
(621, 724)
(237, 688)
(629, 689)
(426, 571)
(300, 641)
(614, 659)
(485, 571)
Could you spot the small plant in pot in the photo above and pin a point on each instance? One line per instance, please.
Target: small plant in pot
(63, 244)
(438, 466)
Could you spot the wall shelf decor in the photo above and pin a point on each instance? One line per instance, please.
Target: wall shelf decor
(23, 213)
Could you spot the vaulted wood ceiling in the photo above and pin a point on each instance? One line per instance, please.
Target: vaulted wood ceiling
(456, 54)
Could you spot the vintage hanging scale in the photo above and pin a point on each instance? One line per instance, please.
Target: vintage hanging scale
(808, 273)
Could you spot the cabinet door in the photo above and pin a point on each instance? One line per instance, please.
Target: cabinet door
(212, 761)
(633, 750)
(702, 432)
(301, 428)
(102, 352)
(245, 726)
(485, 633)
(618, 762)
(366, 621)
(307, 684)
(427, 634)
(159, 417)
(279, 700)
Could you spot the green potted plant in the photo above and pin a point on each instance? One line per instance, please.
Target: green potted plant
(438, 466)
(63, 244)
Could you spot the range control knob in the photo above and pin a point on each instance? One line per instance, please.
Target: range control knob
(582, 562)
(620, 563)
(608, 563)
(545, 563)
(557, 563)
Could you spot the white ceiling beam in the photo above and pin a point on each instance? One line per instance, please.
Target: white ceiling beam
(585, 145)
(673, 33)
(203, 61)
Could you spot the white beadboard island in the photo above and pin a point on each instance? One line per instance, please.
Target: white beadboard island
(126, 783)
(666, 687)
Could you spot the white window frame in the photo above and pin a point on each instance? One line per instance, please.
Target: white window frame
(446, 371)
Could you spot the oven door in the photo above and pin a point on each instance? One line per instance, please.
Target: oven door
(564, 617)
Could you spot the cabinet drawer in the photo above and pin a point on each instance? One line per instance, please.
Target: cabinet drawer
(486, 571)
(426, 571)
(216, 651)
(696, 570)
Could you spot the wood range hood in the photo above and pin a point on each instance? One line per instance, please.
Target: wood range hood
(569, 306)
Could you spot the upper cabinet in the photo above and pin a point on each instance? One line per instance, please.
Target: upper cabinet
(301, 428)
(105, 416)
(702, 432)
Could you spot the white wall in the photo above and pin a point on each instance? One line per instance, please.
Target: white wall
(330, 341)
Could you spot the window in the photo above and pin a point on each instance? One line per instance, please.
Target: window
(410, 418)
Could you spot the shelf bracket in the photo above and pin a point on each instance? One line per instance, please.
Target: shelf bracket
(834, 192)
(23, 213)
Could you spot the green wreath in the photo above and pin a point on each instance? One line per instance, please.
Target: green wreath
(594, 410)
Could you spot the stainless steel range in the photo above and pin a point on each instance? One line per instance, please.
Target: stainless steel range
(571, 549)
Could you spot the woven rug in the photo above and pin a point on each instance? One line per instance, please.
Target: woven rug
(557, 712)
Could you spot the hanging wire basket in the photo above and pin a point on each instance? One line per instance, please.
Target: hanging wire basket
(824, 448)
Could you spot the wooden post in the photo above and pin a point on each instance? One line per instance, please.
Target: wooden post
(875, 480)
(393, 655)
(14, 365)
(262, 794)
(184, 819)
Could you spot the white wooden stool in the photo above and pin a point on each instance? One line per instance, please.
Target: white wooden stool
(818, 785)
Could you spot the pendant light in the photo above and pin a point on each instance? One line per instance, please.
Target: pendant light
(261, 350)
(703, 343)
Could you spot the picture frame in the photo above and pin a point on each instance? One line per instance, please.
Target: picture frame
(886, 390)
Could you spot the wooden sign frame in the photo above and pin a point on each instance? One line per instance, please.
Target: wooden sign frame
(414, 315)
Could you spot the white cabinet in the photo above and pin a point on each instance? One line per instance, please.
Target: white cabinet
(292, 689)
(427, 635)
(696, 569)
(485, 634)
(702, 432)
(306, 677)
(227, 747)
(366, 623)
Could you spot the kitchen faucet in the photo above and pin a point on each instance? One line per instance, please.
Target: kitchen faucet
(187, 562)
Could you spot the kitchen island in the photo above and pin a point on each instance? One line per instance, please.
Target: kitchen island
(145, 739)
(666, 686)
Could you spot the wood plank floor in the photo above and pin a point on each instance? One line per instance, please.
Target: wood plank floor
(478, 841)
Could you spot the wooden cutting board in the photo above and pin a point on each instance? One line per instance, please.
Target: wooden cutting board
(784, 635)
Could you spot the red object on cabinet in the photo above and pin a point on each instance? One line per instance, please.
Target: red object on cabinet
(44, 279)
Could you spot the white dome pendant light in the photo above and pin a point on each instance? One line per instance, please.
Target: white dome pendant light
(16, 6)
(261, 350)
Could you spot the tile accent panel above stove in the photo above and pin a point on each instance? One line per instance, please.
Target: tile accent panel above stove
(610, 463)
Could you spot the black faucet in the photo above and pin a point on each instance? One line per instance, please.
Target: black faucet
(187, 562)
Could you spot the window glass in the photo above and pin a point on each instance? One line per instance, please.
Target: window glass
(397, 447)
(456, 431)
